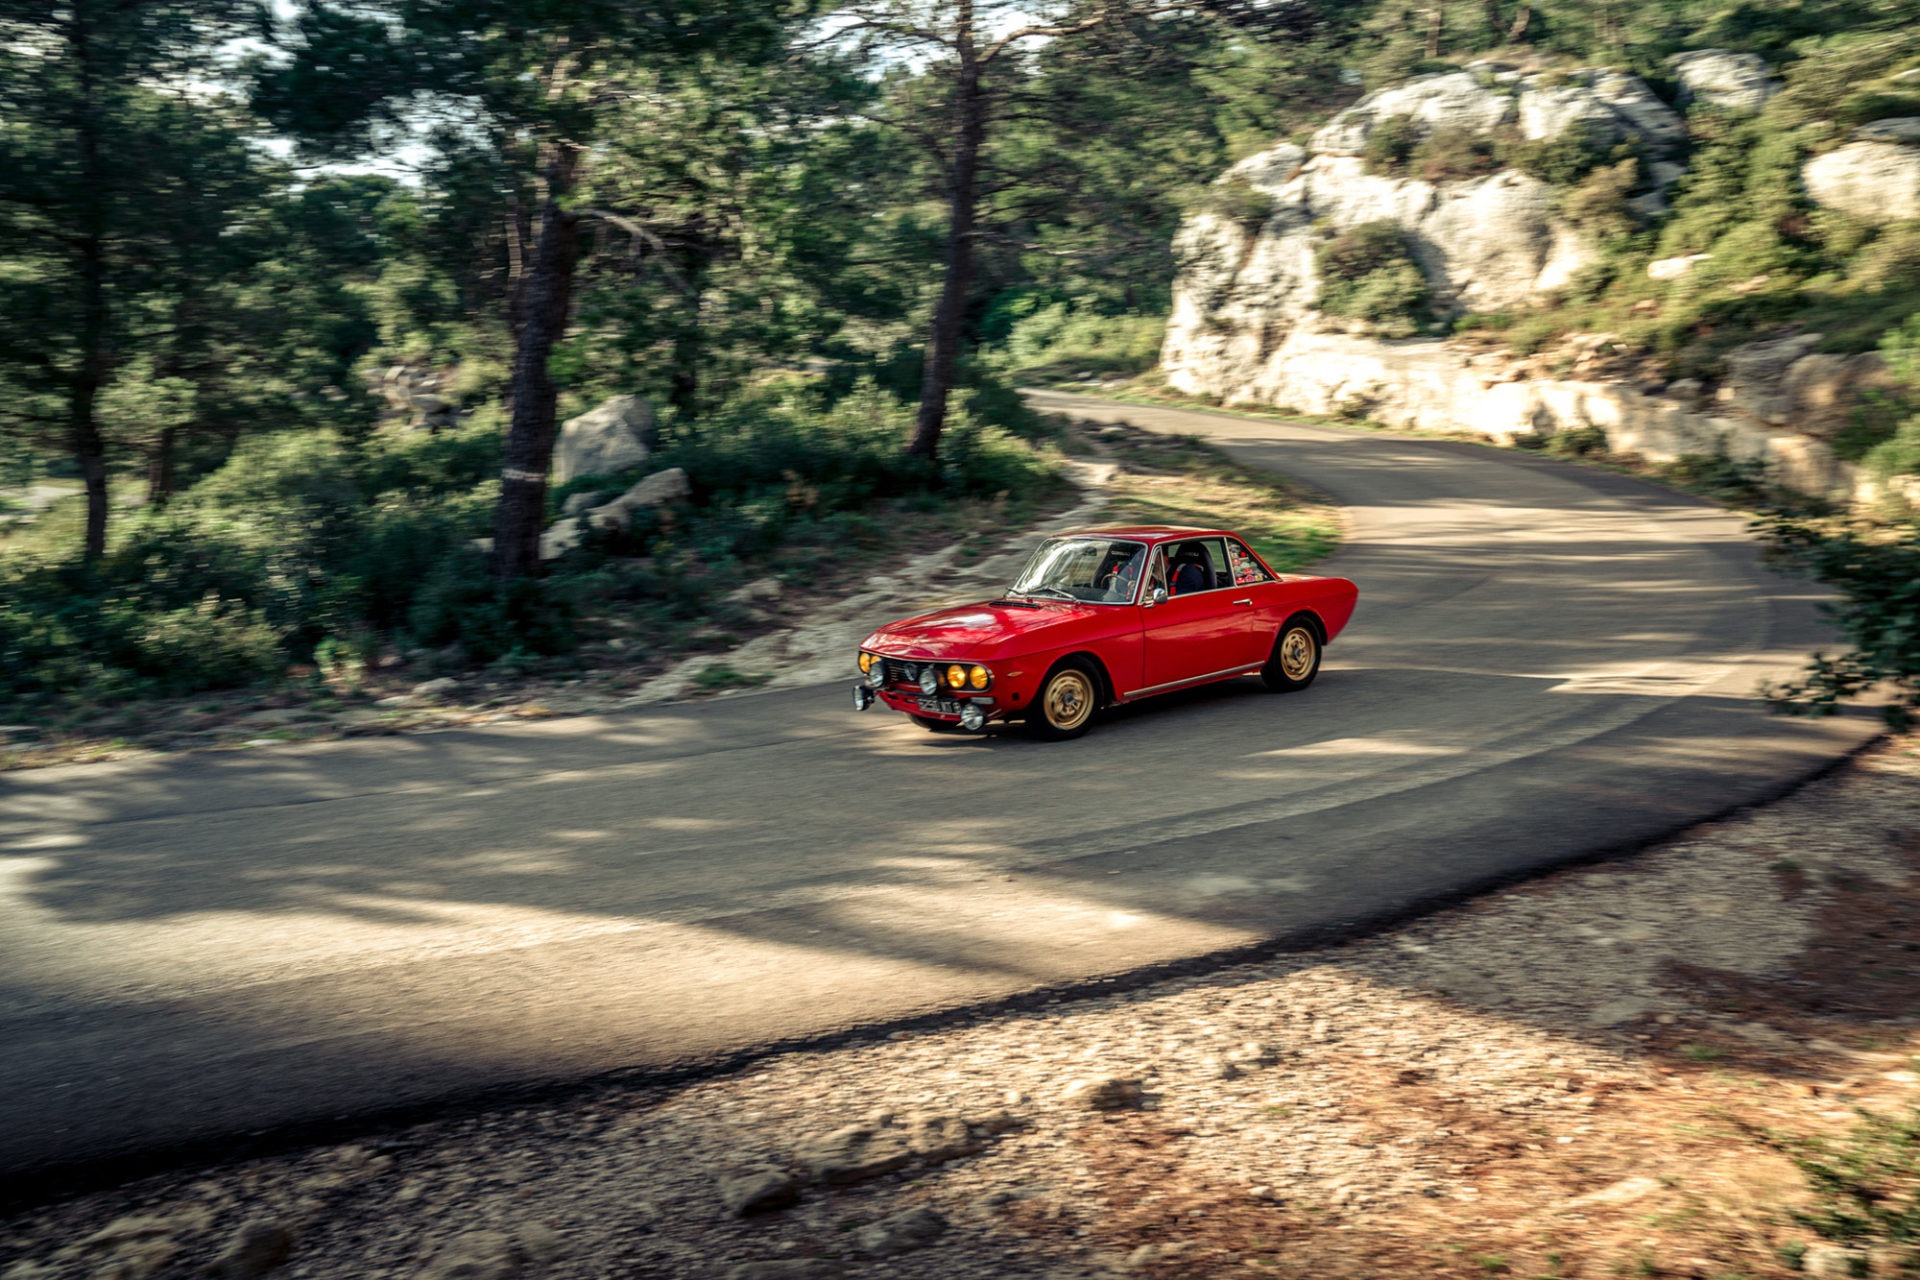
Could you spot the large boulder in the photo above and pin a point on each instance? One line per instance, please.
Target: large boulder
(1875, 177)
(1722, 78)
(656, 490)
(612, 437)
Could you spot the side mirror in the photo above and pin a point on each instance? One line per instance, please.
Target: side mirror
(1157, 596)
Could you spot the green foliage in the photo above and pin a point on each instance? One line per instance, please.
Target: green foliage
(1369, 273)
(1878, 574)
(1390, 145)
(1239, 202)
(1866, 1186)
(1055, 342)
(1568, 157)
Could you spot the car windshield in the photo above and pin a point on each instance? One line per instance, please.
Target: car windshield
(1095, 570)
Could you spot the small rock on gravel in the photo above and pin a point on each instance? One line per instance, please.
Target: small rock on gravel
(435, 688)
(256, 1249)
(759, 1189)
(901, 1232)
(854, 1154)
(786, 1269)
(1105, 1093)
(495, 1255)
(942, 1138)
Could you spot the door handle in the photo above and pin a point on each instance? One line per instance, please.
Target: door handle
(1243, 602)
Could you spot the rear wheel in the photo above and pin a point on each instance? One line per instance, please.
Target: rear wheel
(1296, 657)
(1069, 696)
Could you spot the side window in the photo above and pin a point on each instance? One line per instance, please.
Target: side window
(1244, 567)
(1157, 575)
(1218, 566)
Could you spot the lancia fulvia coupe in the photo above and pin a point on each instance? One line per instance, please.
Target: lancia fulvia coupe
(1102, 618)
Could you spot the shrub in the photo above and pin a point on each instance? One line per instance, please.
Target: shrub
(1390, 144)
(1369, 273)
(1879, 577)
(1058, 342)
(1565, 159)
(1452, 153)
(1238, 201)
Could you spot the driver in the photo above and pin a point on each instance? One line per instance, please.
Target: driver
(1120, 579)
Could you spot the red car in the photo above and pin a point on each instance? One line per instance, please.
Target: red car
(1101, 618)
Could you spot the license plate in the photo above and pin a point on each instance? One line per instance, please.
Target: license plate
(940, 706)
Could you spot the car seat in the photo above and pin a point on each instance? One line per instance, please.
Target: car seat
(1192, 570)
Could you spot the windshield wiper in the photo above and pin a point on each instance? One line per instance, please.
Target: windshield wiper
(1053, 593)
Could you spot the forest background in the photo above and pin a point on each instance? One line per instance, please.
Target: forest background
(821, 242)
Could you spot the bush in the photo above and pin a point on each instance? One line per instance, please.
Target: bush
(1879, 578)
(1453, 153)
(1058, 342)
(1564, 160)
(1238, 201)
(1390, 144)
(1369, 274)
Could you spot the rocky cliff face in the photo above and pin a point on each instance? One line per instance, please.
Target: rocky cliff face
(1247, 326)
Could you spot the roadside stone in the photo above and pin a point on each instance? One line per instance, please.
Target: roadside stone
(560, 537)
(787, 1269)
(1149, 1254)
(1834, 1260)
(435, 688)
(913, 1229)
(854, 1154)
(939, 1138)
(656, 490)
(1625, 1191)
(495, 1255)
(256, 1249)
(614, 436)
(759, 1189)
(1219, 1069)
(1108, 1093)
(579, 502)
(998, 1120)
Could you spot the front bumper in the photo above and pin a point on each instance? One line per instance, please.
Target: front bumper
(946, 706)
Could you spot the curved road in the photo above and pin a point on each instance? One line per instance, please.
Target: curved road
(1548, 663)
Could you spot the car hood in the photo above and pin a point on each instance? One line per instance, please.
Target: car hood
(977, 631)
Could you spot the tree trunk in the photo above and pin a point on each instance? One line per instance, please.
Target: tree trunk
(689, 341)
(1436, 21)
(1521, 21)
(160, 468)
(84, 439)
(546, 300)
(941, 367)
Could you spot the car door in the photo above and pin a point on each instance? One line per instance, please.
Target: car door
(1197, 634)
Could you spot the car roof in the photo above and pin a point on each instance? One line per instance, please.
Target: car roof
(1147, 532)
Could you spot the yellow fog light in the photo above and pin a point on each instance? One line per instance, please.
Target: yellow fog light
(866, 661)
(979, 677)
(956, 676)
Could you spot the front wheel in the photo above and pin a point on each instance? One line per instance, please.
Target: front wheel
(1068, 698)
(1296, 657)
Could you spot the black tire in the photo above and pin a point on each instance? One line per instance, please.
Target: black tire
(1295, 660)
(1067, 703)
(933, 726)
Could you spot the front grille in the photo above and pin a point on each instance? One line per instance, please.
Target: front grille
(899, 672)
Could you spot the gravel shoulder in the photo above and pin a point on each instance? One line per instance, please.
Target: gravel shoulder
(1593, 1074)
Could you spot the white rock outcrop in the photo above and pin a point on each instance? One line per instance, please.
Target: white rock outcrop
(1485, 244)
(1875, 177)
(1776, 399)
(614, 436)
(1721, 78)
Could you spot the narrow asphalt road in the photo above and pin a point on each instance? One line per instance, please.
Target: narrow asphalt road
(1548, 663)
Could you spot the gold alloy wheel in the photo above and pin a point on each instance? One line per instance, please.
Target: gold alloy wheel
(1296, 653)
(1068, 700)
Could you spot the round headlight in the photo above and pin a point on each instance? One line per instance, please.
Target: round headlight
(877, 672)
(929, 681)
(979, 677)
(957, 676)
